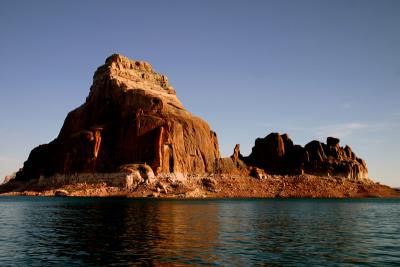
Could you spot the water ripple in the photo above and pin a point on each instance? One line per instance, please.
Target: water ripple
(37, 231)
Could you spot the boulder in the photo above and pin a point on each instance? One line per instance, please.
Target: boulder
(209, 183)
(133, 179)
(131, 115)
(143, 170)
(332, 142)
(161, 188)
(257, 173)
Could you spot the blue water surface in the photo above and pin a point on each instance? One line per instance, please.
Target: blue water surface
(54, 231)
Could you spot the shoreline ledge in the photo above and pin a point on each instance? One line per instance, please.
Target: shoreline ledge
(199, 187)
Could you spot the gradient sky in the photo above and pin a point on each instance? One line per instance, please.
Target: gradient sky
(309, 68)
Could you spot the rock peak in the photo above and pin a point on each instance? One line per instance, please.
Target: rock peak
(131, 116)
(129, 75)
(133, 73)
(134, 64)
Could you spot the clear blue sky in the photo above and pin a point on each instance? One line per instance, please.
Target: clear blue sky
(309, 68)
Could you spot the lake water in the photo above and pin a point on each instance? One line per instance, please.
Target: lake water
(40, 231)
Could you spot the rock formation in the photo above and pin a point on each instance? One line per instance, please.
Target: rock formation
(277, 154)
(132, 121)
(9, 178)
(131, 116)
(233, 164)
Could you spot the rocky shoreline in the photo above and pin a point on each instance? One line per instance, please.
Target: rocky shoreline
(212, 186)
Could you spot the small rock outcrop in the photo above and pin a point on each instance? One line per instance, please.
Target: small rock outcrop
(131, 116)
(143, 172)
(257, 173)
(232, 164)
(277, 154)
(9, 178)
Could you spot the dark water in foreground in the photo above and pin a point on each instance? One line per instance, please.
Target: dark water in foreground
(38, 231)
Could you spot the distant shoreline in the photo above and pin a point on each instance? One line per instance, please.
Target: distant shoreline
(201, 187)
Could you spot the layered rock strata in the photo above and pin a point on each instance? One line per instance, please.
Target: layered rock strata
(131, 116)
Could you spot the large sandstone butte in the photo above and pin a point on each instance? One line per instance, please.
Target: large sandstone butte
(278, 154)
(132, 115)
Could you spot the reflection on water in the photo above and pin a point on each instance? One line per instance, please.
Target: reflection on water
(120, 232)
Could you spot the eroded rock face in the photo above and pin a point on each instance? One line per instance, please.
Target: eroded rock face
(268, 153)
(132, 115)
(277, 154)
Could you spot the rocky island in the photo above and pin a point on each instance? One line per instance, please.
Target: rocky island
(133, 137)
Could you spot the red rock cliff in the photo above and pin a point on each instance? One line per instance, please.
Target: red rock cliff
(278, 154)
(132, 115)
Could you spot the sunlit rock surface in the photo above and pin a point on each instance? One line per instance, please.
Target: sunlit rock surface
(132, 115)
(277, 154)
